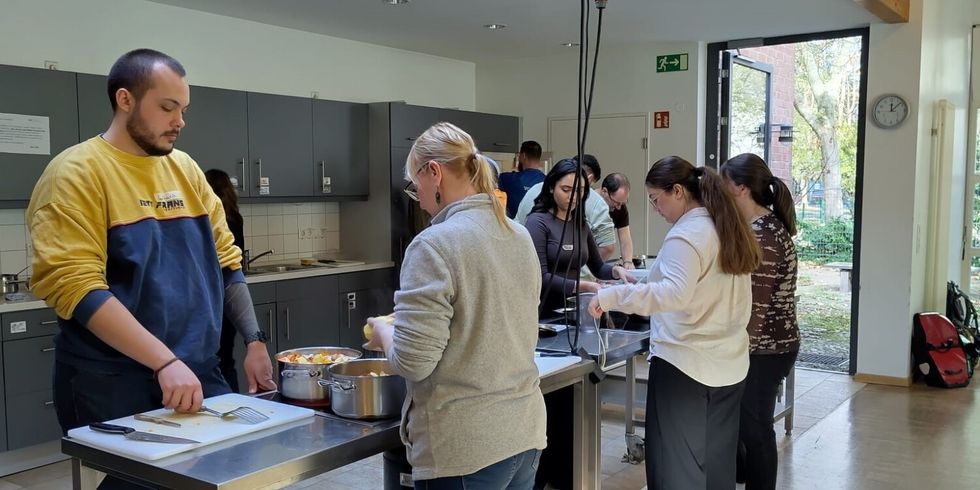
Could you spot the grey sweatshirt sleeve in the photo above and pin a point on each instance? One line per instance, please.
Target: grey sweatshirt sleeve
(239, 309)
(423, 310)
(601, 269)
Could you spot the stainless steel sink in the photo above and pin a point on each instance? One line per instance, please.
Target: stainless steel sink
(269, 269)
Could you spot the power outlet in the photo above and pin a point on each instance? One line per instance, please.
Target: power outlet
(50, 65)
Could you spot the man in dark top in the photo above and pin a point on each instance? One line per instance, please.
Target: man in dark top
(616, 192)
(528, 173)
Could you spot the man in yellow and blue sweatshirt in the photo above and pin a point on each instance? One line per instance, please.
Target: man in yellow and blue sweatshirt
(132, 251)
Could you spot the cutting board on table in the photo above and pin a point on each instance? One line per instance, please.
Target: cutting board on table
(208, 429)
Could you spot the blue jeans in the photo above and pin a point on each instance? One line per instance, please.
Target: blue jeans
(514, 473)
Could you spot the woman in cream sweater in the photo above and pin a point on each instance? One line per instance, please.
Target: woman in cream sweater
(699, 298)
(474, 416)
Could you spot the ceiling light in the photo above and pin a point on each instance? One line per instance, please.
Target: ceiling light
(396, 2)
(570, 45)
(494, 27)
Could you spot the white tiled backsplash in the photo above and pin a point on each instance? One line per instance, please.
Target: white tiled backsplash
(294, 231)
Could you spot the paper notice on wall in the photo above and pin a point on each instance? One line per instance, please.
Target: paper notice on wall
(29, 135)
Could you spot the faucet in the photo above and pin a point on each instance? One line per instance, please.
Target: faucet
(246, 260)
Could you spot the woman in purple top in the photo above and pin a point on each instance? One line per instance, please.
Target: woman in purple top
(556, 243)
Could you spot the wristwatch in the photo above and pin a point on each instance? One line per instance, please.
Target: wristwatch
(257, 335)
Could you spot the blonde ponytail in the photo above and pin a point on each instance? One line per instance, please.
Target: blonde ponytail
(456, 151)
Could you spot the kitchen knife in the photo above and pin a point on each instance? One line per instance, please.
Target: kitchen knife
(135, 435)
(156, 420)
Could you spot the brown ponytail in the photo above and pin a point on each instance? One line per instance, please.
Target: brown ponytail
(767, 190)
(739, 252)
(455, 150)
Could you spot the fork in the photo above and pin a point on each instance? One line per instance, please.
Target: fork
(248, 414)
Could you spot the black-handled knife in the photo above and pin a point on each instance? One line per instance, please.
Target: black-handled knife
(135, 435)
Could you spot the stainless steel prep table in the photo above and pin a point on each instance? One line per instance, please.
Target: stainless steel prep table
(281, 456)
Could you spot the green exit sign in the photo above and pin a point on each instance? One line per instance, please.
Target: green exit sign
(672, 62)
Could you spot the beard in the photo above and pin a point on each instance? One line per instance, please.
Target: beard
(145, 138)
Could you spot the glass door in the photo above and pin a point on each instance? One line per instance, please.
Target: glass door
(746, 107)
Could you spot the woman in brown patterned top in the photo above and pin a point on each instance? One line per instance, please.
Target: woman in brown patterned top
(774, 336)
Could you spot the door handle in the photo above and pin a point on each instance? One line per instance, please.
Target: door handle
(241, 184)
(49, 322)
(500, 144)
(47, 349)
(287, 323)
(258, 182)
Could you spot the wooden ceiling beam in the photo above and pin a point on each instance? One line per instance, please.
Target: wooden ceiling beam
(891, 11)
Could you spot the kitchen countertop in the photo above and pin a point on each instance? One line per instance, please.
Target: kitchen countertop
(279, 456)
(33, 303)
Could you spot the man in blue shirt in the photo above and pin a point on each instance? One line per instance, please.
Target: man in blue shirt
(528, 173)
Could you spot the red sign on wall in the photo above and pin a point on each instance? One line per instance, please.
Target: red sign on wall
(661, 120)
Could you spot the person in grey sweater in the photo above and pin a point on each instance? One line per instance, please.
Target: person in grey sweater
(474, 416)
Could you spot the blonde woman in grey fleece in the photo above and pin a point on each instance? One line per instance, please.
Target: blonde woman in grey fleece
(474, 417)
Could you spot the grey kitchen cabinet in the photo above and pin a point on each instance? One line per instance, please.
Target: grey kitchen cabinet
(215, 134)
(28, 366)
(340, 148)
(265, 314)
(363, 295)
(3, 409)
(409, 121)
(94, 109)
(491, 132)
(29, 323)
(38, 113)
(280, 145)
(31, 419)
(307, 312)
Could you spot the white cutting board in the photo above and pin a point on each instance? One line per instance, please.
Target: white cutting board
(548, 365)
(208, 429)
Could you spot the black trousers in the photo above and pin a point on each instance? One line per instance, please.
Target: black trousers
(226, 351)
(691, 431)
(757, 455)
(83, 397)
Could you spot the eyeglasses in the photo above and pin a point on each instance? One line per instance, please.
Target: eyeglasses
(616, 204)
(653, 200)
(411, 190)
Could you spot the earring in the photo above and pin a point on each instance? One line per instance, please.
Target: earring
(438, 198)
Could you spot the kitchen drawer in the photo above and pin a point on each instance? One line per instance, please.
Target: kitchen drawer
(264, 292)
(29, 323)
(31, 419)
(28, 365)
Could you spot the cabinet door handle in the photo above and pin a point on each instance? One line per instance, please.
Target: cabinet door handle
(323, 176)
(49, 322)
(49, 403)
(500, 144)
(258, 182)
(47, 349)
(410, 138)
(270, 317)
(287, 323)
(241, 183)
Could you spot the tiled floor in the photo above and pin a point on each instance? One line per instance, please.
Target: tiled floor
(847, 435)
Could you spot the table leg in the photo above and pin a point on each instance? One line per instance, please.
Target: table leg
(83, 477)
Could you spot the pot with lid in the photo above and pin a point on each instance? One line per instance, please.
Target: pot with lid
(365, 389)
(10, 283)
(301, 369)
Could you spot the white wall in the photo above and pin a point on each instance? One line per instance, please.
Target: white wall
(626, 83)
(923, 60)
(226, 52)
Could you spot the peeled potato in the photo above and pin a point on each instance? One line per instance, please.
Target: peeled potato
(369, 331)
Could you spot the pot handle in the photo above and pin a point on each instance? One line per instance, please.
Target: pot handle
(289, 373)
(337, 384)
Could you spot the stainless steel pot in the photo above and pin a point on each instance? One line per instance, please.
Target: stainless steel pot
(10, 283)
(355, 393)
(298, 381)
